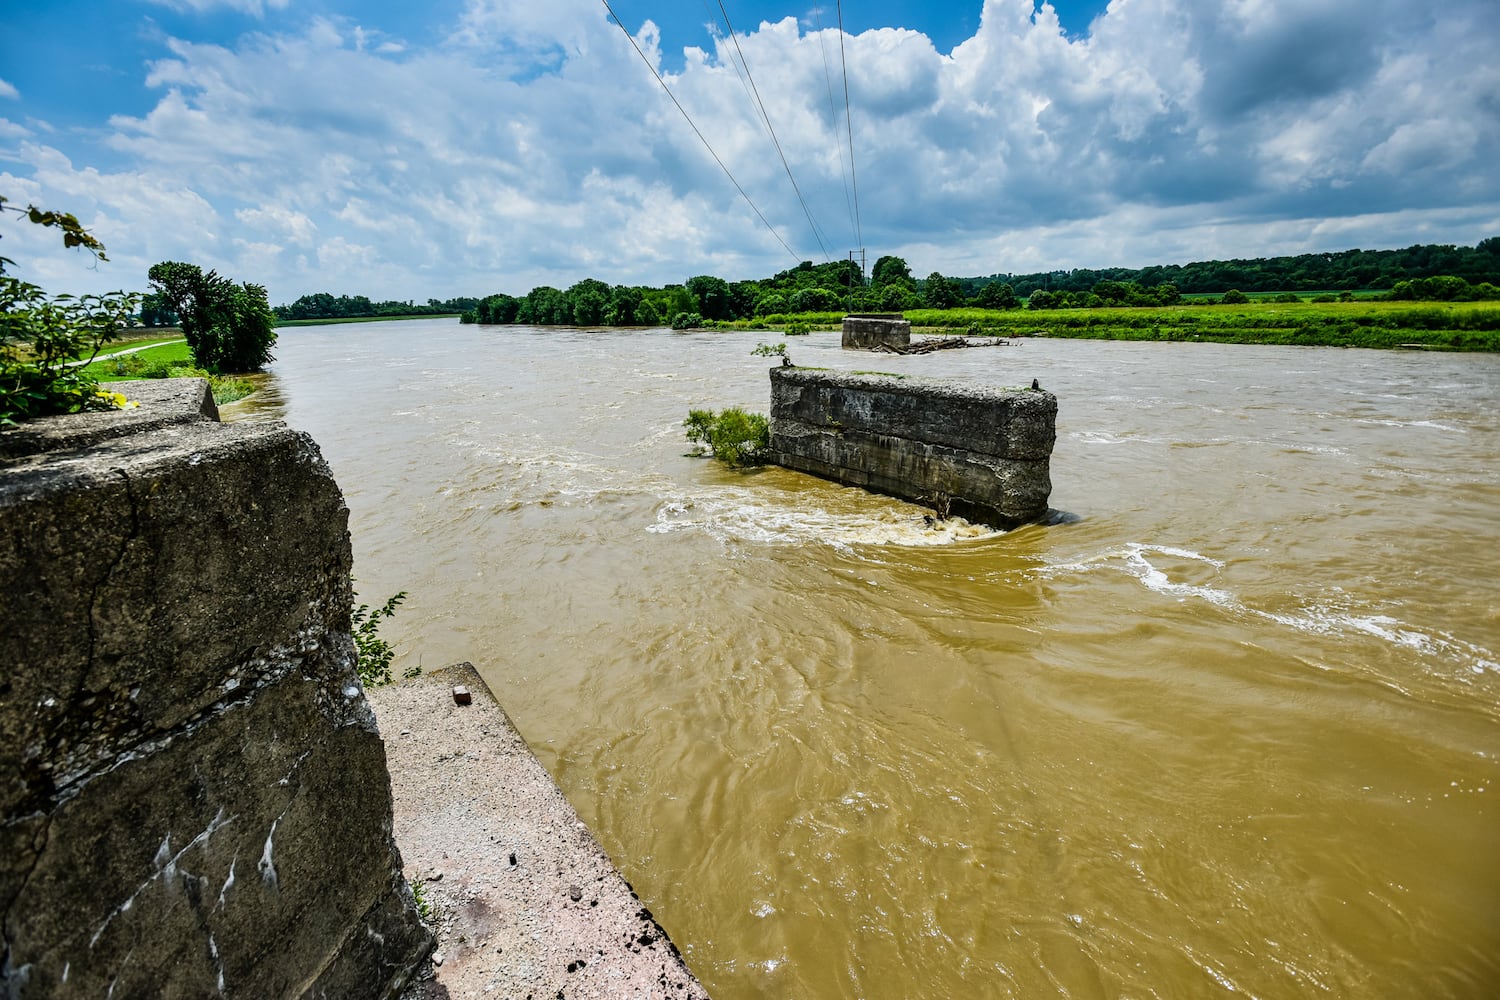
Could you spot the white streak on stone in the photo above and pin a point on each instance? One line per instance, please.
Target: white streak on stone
(267, 866)
(166, 865)
(228, 882)
(213, 949)
(286, 778)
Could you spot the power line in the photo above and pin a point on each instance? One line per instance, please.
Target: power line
(849, 123)
(833, 116)
(738, 73)
(696, 132)
(774, 141)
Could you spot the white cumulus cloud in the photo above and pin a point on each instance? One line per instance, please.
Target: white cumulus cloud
(531, 145)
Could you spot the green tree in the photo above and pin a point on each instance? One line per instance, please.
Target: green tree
(813, 300)
(997, 295)
(1167, 294)
(711, 296)
(646, 314)
(898, 298)
(624, 304)
(228, 327)
(890, 270)
(1234, 297)
(589, 299)
(940, 292)
(156, 311)
(545, 306)
(768, 303)
(1042, 299)
(742, 296)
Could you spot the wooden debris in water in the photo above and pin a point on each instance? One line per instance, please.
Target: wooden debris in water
(931, 344)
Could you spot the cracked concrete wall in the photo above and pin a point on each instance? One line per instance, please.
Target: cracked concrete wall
(194, 799)
(980, 452)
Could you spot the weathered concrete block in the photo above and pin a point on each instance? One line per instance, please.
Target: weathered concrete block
(866, 332)
(982, 453)
(193, 795)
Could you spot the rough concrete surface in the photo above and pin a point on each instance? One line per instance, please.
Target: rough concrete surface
(867, 332)
(193, 793)
(978, 451)
(159, 403)
(526, 902)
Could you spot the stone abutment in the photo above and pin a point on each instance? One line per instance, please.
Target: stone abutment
(194, 799)
(982, 453)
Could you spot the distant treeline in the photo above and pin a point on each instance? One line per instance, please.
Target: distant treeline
(1434, 273)
(808, 287)
(1430, 272)
(325, 306)
(1348, 270)
(156, 311)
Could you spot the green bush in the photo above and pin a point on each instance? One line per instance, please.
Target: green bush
(734, 437)
(42, 337)
(373, 654)
(1234, 297)
(687, 321)
(227, 388)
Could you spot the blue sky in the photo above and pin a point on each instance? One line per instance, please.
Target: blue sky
(404, 150)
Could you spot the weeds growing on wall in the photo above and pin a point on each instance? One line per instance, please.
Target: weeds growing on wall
(373, 654)
(419, 896)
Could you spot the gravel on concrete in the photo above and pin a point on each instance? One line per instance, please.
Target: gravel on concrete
(524, 901)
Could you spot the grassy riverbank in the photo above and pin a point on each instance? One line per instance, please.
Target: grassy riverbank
(171, 360)
(1458, 326)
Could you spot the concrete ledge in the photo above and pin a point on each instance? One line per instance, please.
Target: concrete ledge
(527, 902)
(162, 403)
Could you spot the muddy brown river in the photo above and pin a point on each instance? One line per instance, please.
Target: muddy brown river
(1231, 728)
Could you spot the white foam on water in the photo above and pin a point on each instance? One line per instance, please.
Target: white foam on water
(730, 514)
(1432, 424)
(1098, 437)
(1135, 559)
(1322, 620)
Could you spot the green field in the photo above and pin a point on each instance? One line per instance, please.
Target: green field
(131, 366)
(1455, 326)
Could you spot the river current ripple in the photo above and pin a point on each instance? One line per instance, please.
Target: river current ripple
(1231, 727)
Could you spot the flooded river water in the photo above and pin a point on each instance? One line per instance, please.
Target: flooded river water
(1233, 728)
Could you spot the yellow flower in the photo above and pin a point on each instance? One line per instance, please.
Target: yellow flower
(116, 400)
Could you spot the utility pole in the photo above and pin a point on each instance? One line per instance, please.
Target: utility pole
(861, 253)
